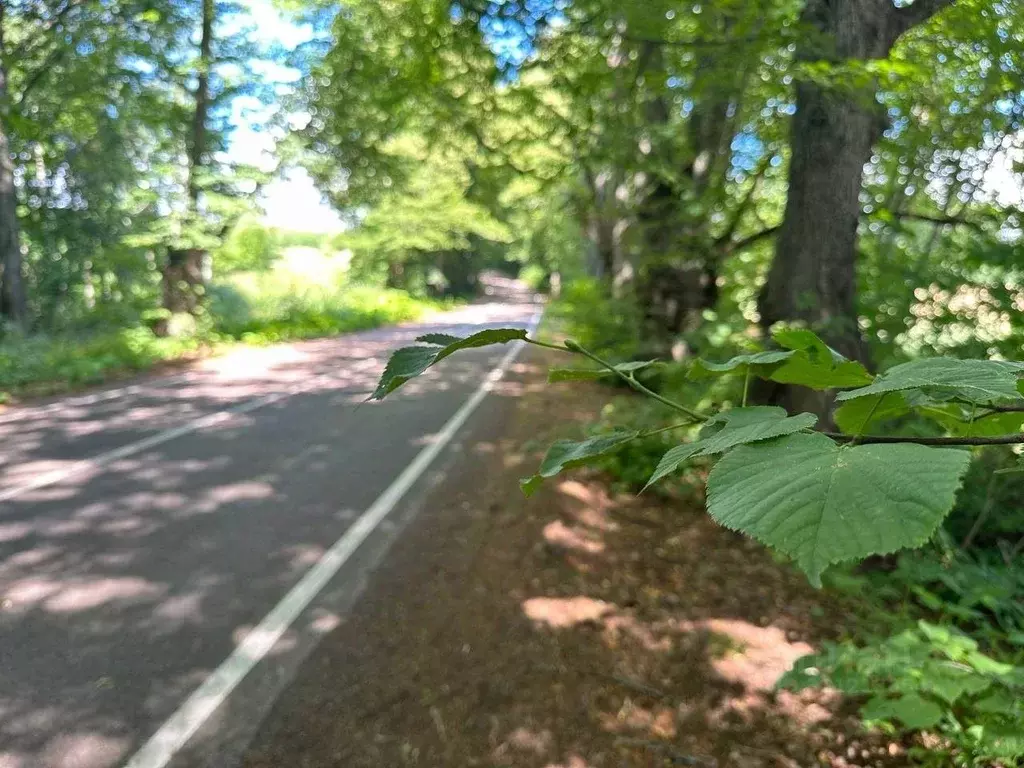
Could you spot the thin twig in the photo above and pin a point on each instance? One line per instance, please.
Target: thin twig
(1015, 551)
(983, 515)
(637, 685)
(857, 437)
(546, 345)
(867, 439)
(696, 416)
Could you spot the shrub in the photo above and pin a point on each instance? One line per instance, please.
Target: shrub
(928, 678)
(249, 245)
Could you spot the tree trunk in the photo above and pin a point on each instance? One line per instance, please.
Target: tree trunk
(13, 302)
(183, 273)
(197, 149)
(459, 272)
(182, 284)
(813, 276)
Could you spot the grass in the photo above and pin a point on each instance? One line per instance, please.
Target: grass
(298, 299)
(45, 364)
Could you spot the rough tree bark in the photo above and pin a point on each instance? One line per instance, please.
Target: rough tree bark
(183, 271)
(812, 278)
(13, 301)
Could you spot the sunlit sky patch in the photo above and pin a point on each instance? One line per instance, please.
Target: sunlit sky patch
(290, 201)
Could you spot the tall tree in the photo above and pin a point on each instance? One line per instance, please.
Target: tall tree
(838, 120)
(183, 272)
(13, 304)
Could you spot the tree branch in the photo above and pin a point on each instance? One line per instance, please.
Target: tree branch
(746, 242)
(938, 219)
(744, 205)
(866, 439)
(907, 17)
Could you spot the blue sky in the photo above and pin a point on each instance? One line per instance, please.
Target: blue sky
(291, 202)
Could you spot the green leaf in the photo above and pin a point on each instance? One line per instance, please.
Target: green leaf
(822, 504)
(758, 362)
(950, 681)
(803, 340)
(805, 673)
(1004, 742)
(999, 702)
(482, 339)
(856, 416)
(404, 364)
(915, 712)
(955, 644)
(673, 459)
(408, 362)
(998, 424)
(802, 371)
(978, 381)
(749, 425)
(440, 339)
(556, 375)
(566, 454)
(728, 429)
(814, 364)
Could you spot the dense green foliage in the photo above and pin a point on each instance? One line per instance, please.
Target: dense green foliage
(127, 208)
(253, 309)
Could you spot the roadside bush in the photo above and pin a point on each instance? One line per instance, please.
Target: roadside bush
(608, 326)
(249, 245)
(253, 308)
(264, 308)
(928, 678)
(42, 364)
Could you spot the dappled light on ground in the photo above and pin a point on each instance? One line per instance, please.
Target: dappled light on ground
(578, 629)
(566, 612)
(127, 581)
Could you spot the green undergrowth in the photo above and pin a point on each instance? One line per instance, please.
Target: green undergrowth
(931, 649)
(261, 309)
(249, 310)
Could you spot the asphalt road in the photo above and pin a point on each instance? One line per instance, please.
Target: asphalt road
(147, 528)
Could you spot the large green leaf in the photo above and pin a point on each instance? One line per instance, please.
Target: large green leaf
(821, 503)
(978, 381)
(408, 362)
(728, 429)
(566, 454)
(590, 374)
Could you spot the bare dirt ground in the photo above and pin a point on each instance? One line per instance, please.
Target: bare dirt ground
(571, 630)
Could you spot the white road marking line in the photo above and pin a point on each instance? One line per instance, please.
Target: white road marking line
(103, 459)
(204, 701)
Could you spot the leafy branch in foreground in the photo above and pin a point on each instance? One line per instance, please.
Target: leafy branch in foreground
(818, 497)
